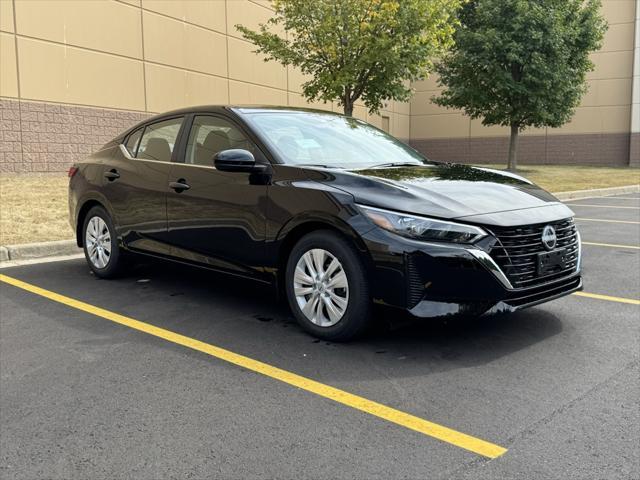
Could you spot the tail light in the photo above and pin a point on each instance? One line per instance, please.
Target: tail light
(72, 171)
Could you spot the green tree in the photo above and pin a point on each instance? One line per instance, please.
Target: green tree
(521, 63)
(357, 49)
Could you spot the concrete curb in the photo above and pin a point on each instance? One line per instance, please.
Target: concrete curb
(30, 251)
(596, 192)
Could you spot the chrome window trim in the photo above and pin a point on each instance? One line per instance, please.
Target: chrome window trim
(212, 167)
(125, 152)
(208, 167)
(184, 164)
(128, 156)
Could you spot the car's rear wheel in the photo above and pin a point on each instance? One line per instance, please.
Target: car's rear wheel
(327, 287)
(101, 247)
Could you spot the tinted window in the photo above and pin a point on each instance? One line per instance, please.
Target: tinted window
(159, 140)
(132, 142)
(210, 135)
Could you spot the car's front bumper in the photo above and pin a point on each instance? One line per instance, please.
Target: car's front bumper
(434, 308)
(434, 280)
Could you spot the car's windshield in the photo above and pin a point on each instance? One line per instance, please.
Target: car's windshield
(310, 138)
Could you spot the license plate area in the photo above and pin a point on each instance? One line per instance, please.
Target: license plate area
(550, 262)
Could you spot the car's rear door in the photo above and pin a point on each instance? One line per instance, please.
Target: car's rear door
(136, 184)
(219, 219)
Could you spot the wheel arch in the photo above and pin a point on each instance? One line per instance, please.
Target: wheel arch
(82, 214)
(297, 228)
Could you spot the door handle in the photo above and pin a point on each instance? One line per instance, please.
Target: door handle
(179, 186)
(111, 175)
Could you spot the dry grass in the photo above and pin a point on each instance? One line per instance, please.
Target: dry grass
(567, 178)
(34, 207)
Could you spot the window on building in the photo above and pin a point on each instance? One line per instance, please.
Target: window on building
(385, 124)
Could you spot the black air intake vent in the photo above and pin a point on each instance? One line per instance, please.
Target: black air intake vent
(415, 286)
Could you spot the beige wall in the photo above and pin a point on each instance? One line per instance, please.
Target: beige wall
(147, 56)
(605, 109)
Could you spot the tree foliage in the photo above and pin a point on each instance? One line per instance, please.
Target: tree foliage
(357, 49)
(521, 63)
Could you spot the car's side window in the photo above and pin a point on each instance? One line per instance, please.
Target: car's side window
(210, 135)
(132, 142)
(159, 140)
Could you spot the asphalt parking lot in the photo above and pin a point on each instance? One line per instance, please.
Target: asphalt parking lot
(88, 391)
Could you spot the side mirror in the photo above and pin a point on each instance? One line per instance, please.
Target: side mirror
(236, 160)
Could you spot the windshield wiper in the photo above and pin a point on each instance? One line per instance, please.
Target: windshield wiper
(315, 165)
(397, 164)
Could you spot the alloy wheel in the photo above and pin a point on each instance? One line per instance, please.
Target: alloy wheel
(98, 242)
(321, 287)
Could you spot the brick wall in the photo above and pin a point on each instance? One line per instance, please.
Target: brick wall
(634, 150)
(47, 137)
(605, 149)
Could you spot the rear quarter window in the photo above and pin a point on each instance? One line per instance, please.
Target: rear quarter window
(133, 141)
(159, 139)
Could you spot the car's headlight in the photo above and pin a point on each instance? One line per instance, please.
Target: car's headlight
(421, 228)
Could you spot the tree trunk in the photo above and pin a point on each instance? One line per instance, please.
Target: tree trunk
(347, 102)
(513, 147)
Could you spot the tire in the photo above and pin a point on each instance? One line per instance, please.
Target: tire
(333, 312)
(106, 259)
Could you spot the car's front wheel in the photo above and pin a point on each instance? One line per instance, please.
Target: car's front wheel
(101, 247)
(327, 287)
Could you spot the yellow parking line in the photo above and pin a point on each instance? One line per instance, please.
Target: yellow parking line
(597, 296)
(607, 220)
(448, 435)
(601, 206)
(612, 245)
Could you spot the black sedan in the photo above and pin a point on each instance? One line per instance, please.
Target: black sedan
(333, 211)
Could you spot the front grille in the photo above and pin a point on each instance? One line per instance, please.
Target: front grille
(517, 248)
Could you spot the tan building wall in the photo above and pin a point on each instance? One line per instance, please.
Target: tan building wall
(74, 73)
(599, 132)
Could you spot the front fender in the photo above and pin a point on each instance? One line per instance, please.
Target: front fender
(350, 223)
(299, 206)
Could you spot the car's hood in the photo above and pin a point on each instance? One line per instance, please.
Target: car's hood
(445, 191)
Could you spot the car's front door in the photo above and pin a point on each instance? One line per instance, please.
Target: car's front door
(135, 183)
(216, 217)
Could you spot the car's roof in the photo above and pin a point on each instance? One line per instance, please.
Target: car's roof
(238, 109)
(241, 109)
